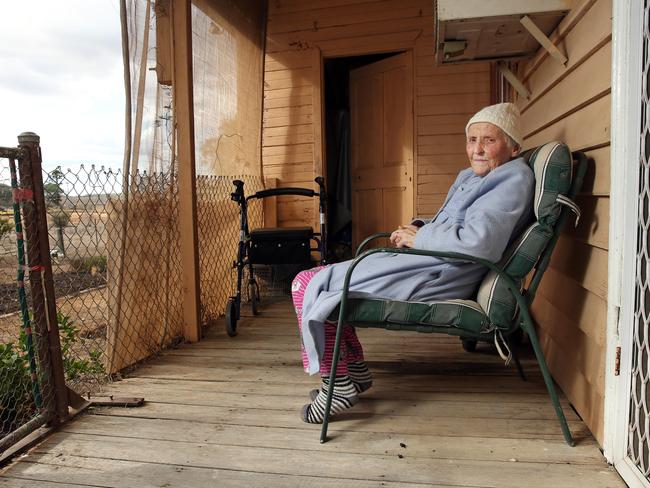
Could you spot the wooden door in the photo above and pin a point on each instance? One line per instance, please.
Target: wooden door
(381, 113)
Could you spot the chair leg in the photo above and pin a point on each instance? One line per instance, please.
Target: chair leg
(527, 325)
(515, 356)
(330, 389)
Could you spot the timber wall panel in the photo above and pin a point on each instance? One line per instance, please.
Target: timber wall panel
(228, 51)
(573, 104)
(445, 98)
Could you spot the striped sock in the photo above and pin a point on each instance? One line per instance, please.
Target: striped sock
(360, 376)
(344, 398)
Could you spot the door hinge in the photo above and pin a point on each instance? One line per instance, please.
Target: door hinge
(617, 362)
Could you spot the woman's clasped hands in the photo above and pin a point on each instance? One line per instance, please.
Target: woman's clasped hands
(404, 236)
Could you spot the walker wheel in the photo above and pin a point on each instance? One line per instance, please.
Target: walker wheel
(254, 296)
(231, 318)
(469, 344)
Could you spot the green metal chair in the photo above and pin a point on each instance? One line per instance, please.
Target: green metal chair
(502, 305)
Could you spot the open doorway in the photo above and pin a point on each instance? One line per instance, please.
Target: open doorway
(368, 134)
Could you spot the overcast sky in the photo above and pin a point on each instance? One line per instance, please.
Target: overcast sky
(61, 76)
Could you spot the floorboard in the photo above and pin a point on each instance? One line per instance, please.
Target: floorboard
(225, 412)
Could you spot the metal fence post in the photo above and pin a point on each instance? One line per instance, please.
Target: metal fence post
(40, 266)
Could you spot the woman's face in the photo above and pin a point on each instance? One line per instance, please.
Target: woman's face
(487, 147)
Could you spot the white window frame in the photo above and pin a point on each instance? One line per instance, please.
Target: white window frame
(627, 33)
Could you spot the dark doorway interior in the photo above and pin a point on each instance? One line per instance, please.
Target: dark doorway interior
(337, 137)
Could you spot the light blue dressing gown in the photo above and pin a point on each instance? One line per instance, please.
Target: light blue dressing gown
(480, 216)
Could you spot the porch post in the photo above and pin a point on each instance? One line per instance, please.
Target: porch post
(184, 120)
(40, 276)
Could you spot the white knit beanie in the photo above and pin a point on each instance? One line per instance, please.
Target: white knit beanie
(504, 115)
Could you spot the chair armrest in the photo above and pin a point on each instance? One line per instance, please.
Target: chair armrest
(368, 239)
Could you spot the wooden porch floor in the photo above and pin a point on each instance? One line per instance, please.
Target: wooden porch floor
(225, 413)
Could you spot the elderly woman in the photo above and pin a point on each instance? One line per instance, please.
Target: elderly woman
(488, 204)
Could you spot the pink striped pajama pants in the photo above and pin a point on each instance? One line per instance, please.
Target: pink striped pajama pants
(351, 350)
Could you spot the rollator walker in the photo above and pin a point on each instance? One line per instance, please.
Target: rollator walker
(272, 246)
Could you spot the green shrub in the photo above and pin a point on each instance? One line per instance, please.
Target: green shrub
(6, 226)
(60, 218)
(53, 187)
(98, 262)
(86, 265)
(5, 195)
(16, 395)
(16, 398)
(73, 366)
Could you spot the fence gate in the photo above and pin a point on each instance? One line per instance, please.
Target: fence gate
(32, 386)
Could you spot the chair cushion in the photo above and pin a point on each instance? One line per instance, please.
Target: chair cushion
(493, 294)
(454, 315)
(552, 164)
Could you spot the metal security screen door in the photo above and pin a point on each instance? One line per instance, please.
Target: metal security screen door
(634, 464)
(638, 442)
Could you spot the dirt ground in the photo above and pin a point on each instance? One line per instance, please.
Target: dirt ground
(88, 310)
(65, 284)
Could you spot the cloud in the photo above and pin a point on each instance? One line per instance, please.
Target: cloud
(62, 78)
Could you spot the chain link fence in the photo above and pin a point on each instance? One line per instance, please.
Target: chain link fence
(117, 278)
(218, 226)
(115, 267)
(119, 300)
